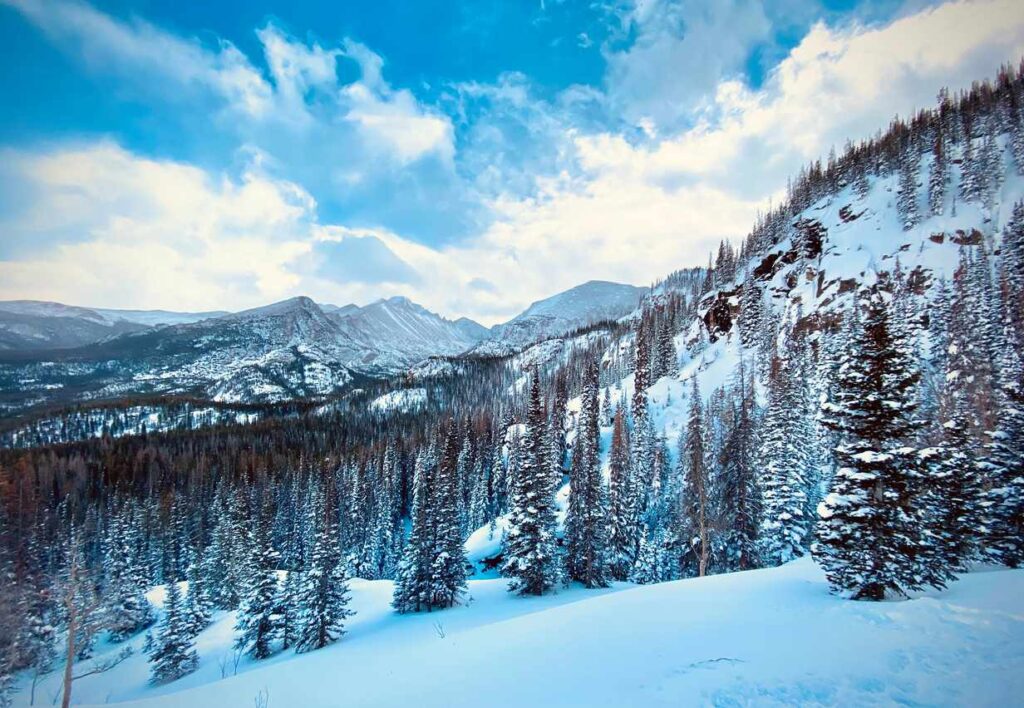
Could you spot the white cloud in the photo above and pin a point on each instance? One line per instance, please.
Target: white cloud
(680, 52)
(156, 233)
(141, 49)
(169, 235)
(388, 119)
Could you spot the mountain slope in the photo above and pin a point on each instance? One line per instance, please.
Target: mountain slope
(35, 324)
(577, 307)
(397, 333)
(766, 637)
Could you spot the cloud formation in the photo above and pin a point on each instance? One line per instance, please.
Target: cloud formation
(615, 183)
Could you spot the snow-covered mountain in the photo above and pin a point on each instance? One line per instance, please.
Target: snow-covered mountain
(585, 304)
(287, 350)
(396, 333)
(36, 324)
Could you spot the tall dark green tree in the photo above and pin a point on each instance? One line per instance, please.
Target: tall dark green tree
(869, 539)
(586, 521)
(531, 551)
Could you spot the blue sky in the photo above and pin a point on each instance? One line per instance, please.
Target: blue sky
(471, 155)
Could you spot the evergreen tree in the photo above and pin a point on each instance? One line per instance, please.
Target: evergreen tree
(786, 457)
(647, 567)
(531, 558)
(173, 655)
(586, 531)
(869, 540)
(198, 606)
(257, 624)
(448, 568)
(322, 592)
(906, 201)
(413, 587)
(740, 496)
(695, 526)
(128, 610)
(938, 177)
(622, 522)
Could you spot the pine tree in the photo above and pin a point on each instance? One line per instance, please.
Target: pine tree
(412, 589)
(694, 518)
(322, 591)
(290, 609)
(586, 531)
(740, 496)
(646, 569)
(257, 625)
(906, 202)
(786, 439)
(127, 608)
(173, 655)
(198, 606)
(448, 568)
(622, 522)
(938, 177)
(869, 538)
(531, 558)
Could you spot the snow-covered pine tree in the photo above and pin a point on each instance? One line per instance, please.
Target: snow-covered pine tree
(289, 608)
(586, 521)
(198, 606)
(647, 567)
(173, 654)
(622, 517)
(128, 610)
(322, 592)
(225, 560)
(257, 623)
(531, 557)
(641, 369)
(869, 539)
(694, 518)
(412, 588)
(906, 200)
(448, 569)
(938, 177)
(786, 456)
(739, 496)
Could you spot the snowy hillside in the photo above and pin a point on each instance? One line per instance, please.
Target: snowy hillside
(593, 301)
(768, 637)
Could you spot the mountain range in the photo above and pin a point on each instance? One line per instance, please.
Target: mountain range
(293, 349)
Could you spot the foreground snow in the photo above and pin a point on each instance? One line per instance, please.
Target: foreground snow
(766, 637)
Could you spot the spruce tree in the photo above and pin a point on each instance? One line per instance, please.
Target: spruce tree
(740, 497)
(869, 537)
(586, 521)
(128, 610)
(448, 568)
(173, 655)
(198, 606)
(694, 520)
(413, 586)
(622, 521)
(906, 201)
(322, 590)
(786, 456)
(257, 625)
(531, 558)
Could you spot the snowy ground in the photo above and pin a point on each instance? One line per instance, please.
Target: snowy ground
(768, 637)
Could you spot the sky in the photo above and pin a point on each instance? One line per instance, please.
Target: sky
(472, 156)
